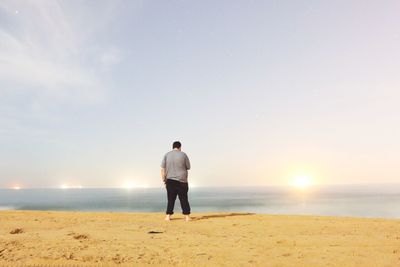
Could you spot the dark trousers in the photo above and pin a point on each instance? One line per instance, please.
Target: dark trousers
(176, 188)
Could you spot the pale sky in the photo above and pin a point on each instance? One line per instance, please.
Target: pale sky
(93, 93)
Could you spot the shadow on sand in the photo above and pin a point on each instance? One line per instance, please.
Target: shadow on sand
(205, 217)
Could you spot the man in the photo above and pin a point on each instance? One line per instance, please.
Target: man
(174, 172)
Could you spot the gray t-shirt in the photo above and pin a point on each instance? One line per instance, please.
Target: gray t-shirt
(176, 164)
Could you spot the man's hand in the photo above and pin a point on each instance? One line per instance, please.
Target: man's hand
(163, 176)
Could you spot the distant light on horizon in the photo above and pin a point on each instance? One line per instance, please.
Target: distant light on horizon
(193, 185)
(66, 186)
(17, 187)
(129, 184)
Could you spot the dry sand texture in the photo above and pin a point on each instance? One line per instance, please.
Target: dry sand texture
(41, 238)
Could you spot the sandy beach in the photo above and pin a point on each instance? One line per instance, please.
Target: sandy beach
(42, 238)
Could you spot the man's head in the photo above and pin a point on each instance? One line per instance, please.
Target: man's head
(176, 145)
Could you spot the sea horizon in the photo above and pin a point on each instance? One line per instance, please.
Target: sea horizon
(354, 200)
(216, 186)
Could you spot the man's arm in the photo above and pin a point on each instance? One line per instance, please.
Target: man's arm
(163, 172)
(163, 175)
(187, 161)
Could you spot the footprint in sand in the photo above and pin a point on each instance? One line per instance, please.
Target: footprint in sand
(16, 231)
(79, 236)
(69, 256)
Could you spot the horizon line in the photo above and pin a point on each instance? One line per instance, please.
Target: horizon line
(200, 186)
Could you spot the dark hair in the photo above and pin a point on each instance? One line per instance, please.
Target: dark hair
(176, 144)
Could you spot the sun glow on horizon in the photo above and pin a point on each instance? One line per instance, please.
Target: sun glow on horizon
(302, 182)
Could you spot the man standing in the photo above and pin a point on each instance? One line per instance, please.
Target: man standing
(174, 172)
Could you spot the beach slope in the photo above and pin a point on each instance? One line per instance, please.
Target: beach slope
(43, 238)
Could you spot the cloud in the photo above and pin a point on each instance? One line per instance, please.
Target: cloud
(52, 63)
(46, 48)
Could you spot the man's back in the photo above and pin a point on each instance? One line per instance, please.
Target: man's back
(174, 172)
(176, 164)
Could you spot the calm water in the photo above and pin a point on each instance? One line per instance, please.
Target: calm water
(355, 200)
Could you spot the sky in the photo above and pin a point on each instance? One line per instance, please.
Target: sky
(93, 93)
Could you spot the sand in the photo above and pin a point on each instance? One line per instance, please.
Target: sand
(42, 238)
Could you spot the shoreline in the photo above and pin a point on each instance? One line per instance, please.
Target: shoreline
(86, 238)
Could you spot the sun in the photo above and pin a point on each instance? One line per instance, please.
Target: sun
(302, 182)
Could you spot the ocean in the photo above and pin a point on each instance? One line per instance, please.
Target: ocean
(382, 201)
